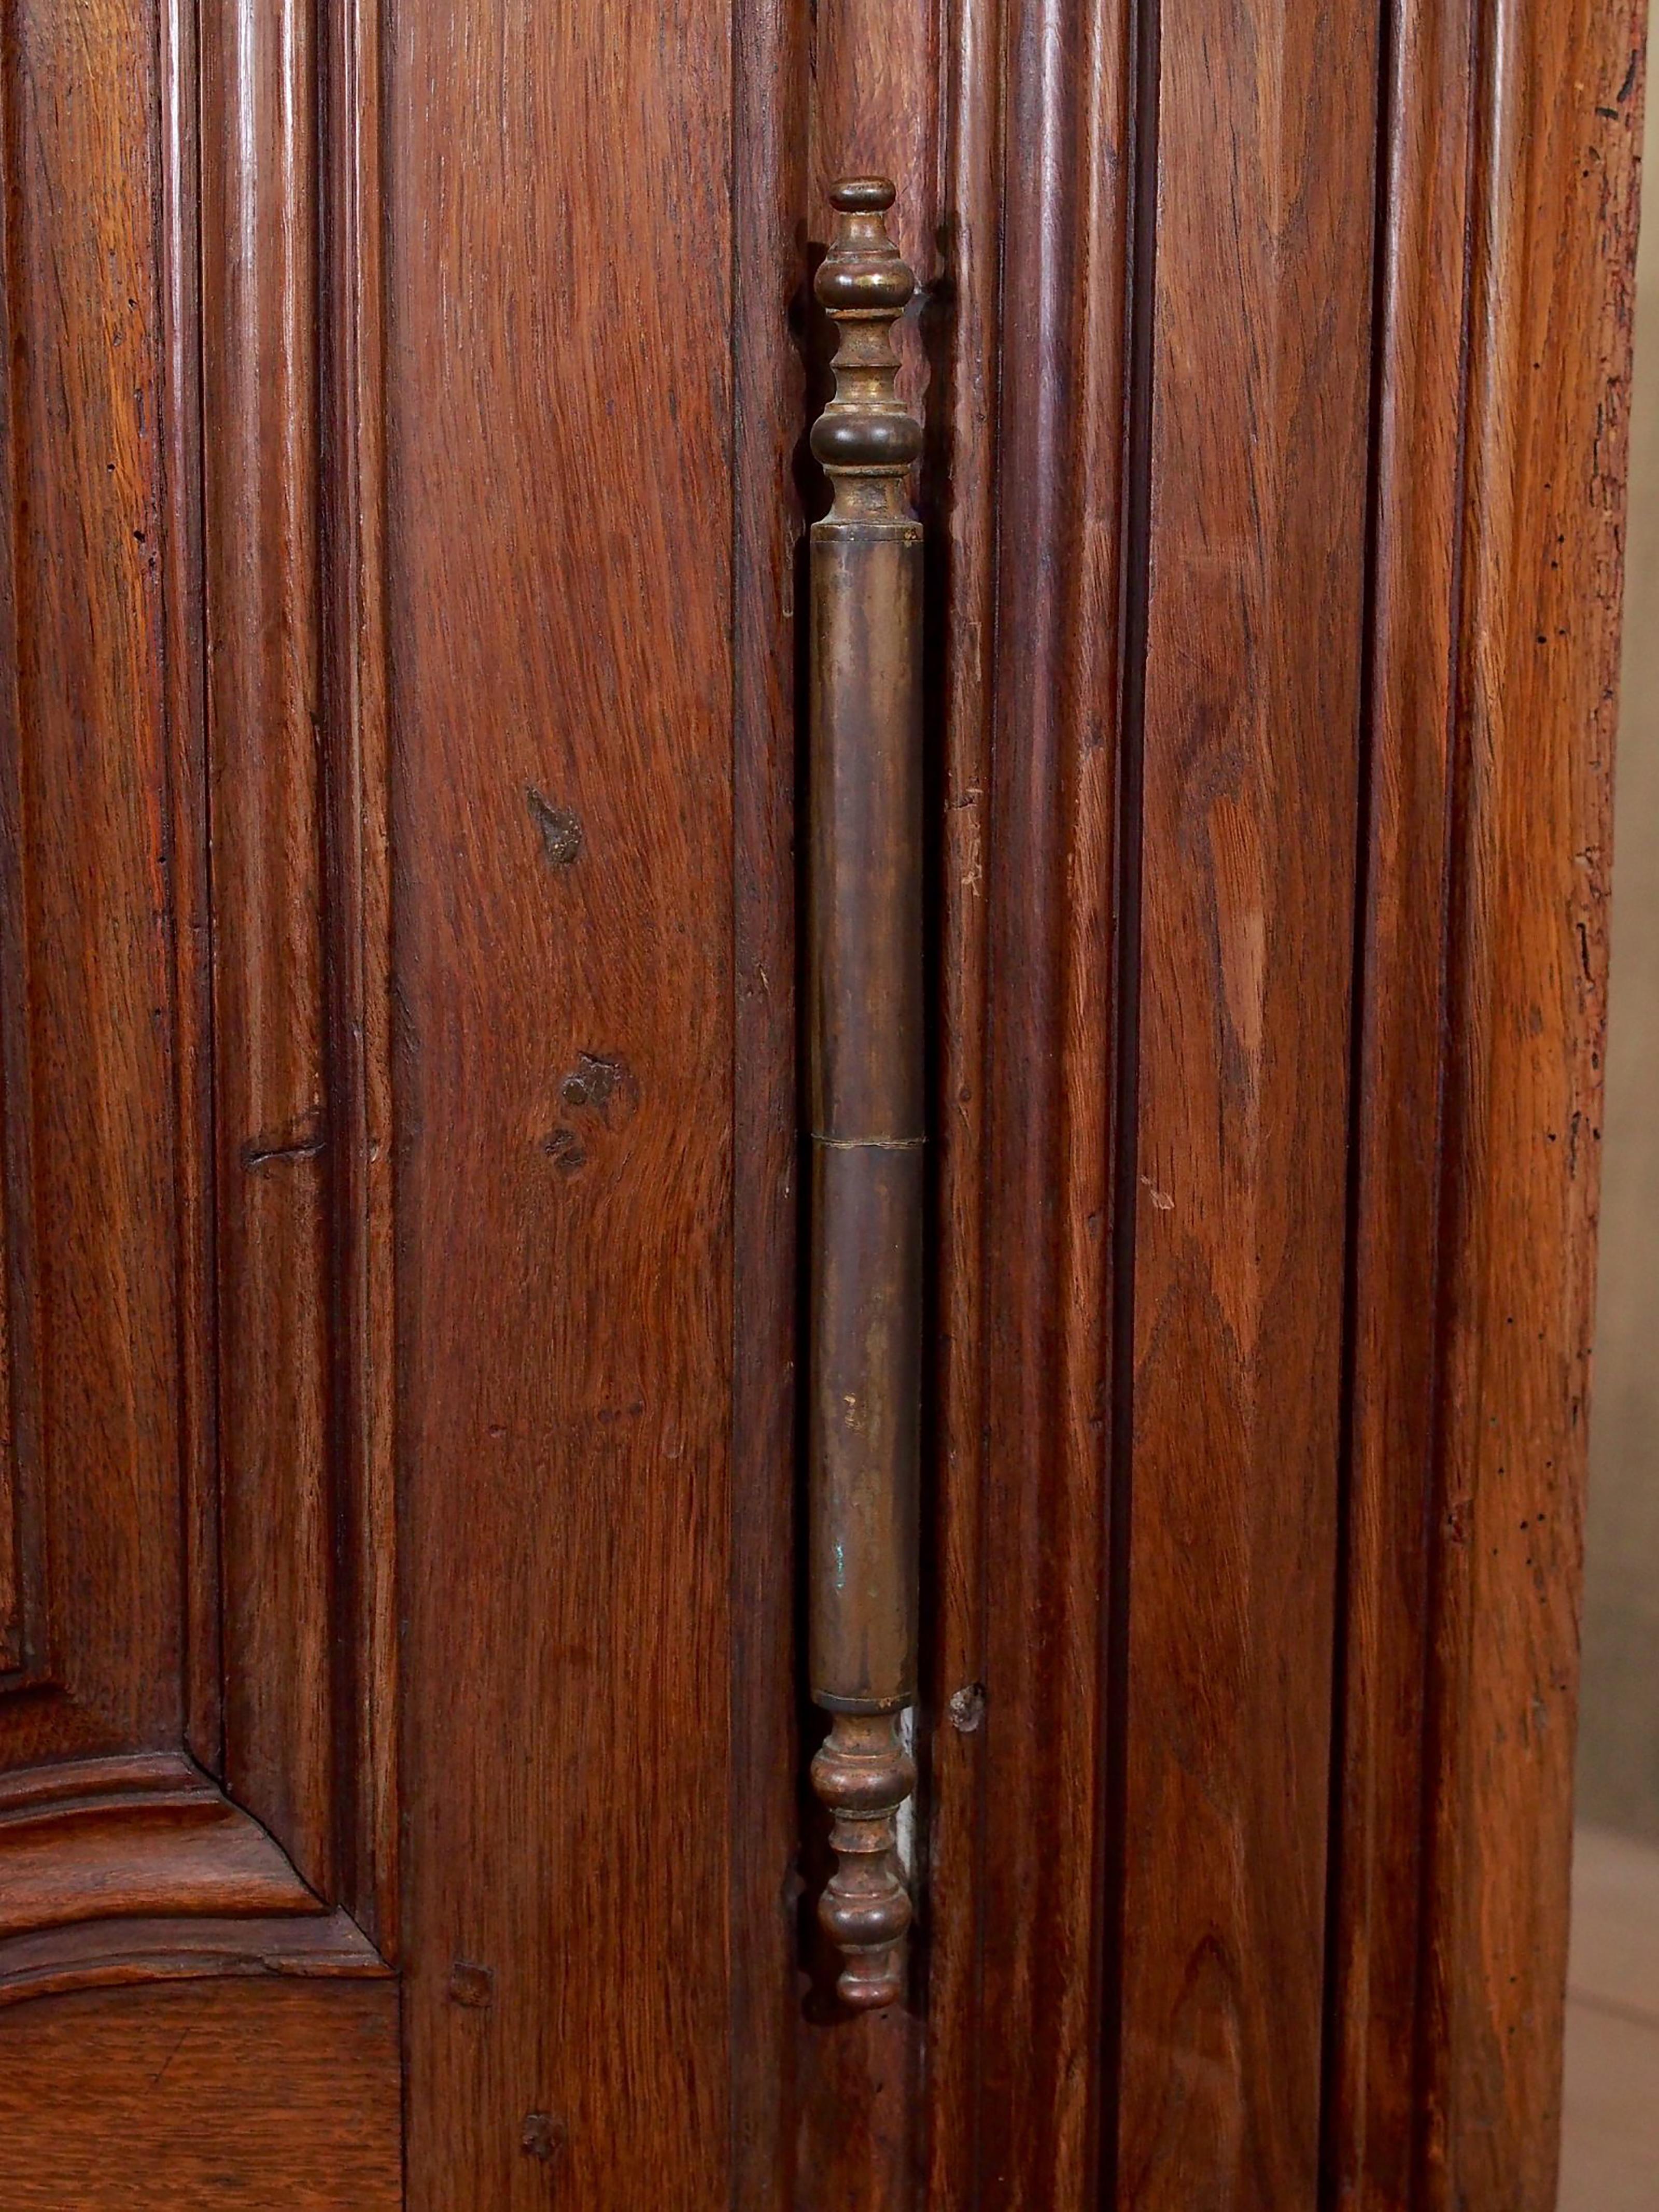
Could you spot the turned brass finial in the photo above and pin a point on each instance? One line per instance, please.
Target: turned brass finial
(865, 438)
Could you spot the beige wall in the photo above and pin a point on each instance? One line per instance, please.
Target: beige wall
(1619, 1739)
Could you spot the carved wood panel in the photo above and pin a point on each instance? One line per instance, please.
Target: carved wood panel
(159, 1614)
(402, 460)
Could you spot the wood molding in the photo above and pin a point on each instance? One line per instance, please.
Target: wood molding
(19, 1592)
(957, 498)
(1050, 892)
(358, 865)
(139, 1867)
(1505, 291)
(152, 1835)
(301, 1300)
(121, 1074)
(260, 392)
(129, 1951)
(179, 416)
(769, 103)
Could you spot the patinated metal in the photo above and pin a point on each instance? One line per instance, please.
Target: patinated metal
(865, 1095)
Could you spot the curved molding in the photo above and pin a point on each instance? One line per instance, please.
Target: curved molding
(118, 1954)
(139, 1869)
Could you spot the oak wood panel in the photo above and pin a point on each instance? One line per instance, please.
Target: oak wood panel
(1259, 344)
(260, 389)
(1372, 2085)
(771, 97)
(87, 1078)
(1051, 892)
(559, 251)
(234, 2092)
(1551, 292)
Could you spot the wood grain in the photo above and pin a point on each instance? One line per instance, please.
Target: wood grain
(1372, 2084)
(96, 1839)
(356, 868)
(1260, 346)
(957, 497)
(559, 251)
(86, 952)
(14, 1034)
(1552, 289)
(237, 2093)
(769, 195)
(188, 862)
(262, 576)
(127, 1950)
(1048, 1243)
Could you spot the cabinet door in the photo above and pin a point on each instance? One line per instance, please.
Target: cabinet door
(405, 1336)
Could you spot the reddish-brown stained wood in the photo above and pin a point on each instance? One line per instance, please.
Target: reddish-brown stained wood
(125, 1951)
(356, 870)
(85, 956)
(769, 96)
(561, 688)
(1259, 387)
(875, 113)
(260, 391)
(238, 2093)
(1553, 239)
(88, 1839)
(179, 401)
(957, 499)
(1371, 2086)
(1049, 884)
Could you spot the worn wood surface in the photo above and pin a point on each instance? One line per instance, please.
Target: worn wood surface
(1372, 2089)
(95, 1838)
(562, 685)
(356, 873)
(484, 556)
(243, 2094)
(1050, 892)
(771, 97)
(262, 610)
(129, 1949)
(1259, 362)
(1550, 295)
(84, 945)
(957, 496)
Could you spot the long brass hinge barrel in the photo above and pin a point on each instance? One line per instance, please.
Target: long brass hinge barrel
(865, 1096)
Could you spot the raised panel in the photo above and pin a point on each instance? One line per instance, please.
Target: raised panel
(86, 954)
(112, 1646)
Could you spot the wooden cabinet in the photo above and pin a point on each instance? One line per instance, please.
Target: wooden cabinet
(403, 1736)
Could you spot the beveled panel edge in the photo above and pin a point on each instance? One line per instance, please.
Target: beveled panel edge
(138, 1868)
(135, 1949)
